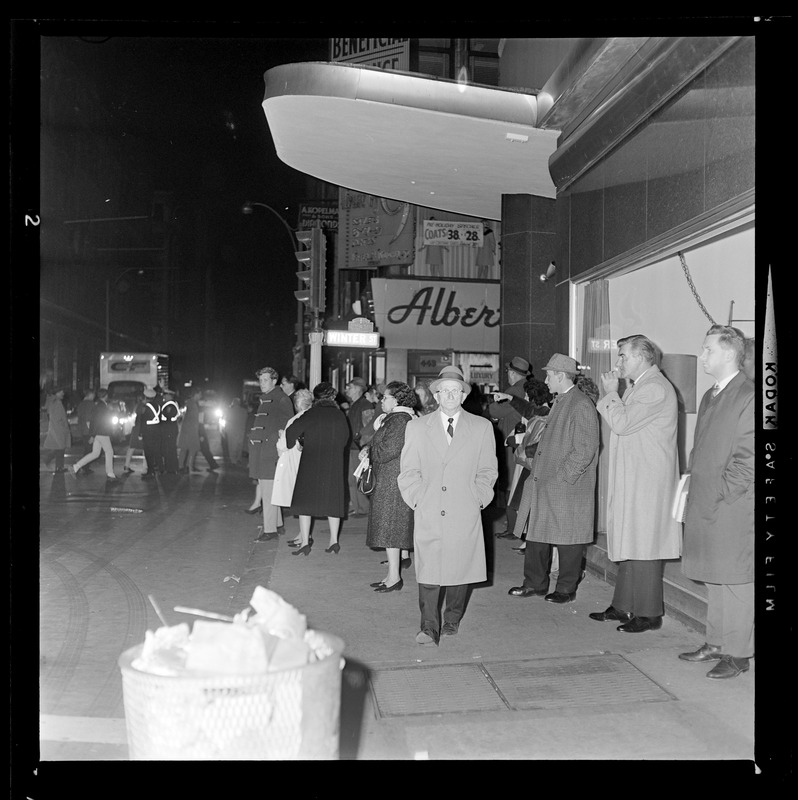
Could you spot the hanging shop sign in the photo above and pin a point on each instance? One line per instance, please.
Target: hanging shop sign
(318, 213)
(437, 232)
(374, 232)
(335, 338)
(438, 315)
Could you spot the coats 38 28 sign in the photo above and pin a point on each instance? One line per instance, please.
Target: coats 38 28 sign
(437, 315)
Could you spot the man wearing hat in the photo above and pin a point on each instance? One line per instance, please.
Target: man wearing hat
(447, 471)
(356, 416)
(151, 434)
(506, 417)
(558, 499)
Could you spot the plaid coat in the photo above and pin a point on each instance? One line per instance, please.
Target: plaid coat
(559, 494)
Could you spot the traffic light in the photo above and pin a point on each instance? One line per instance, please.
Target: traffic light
(314, 258)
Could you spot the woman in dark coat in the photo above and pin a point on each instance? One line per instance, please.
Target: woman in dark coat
(320, 489)
(390, 518)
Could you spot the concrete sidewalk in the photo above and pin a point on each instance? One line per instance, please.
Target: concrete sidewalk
(568, 687)
(523, 679)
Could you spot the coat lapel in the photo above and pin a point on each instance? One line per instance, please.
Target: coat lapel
(436, 434)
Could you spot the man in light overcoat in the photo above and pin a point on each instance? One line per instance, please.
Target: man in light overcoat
(642, 478)
(719, 516)
(559, 494)
(447, 471)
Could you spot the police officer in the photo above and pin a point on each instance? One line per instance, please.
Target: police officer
(170, 414)
(151, 434)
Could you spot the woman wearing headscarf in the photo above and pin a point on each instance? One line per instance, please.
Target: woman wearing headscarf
(59, 437)
(390, 518)
(320, 489)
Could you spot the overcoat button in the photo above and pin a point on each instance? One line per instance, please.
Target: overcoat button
(443, 488)
(443, 513)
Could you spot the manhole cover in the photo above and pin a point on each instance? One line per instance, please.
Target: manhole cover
(513, 686)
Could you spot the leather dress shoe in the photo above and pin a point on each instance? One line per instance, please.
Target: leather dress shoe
(611, 613)
(394, 587)
(450, 628)
(641, 624)
(560, 597)
(505, 535)
(265, 537)
(427, 637)
(729, 667)
(707, 652)
(522, 591)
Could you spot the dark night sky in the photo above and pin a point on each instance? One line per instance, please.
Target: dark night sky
(193, 94)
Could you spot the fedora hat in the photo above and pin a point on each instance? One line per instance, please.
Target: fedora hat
(520, 365)
(560, 363)
(450, 374)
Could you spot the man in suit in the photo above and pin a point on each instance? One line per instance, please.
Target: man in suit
(360, 404)
(719, 516)
(559, 494)
(447, 470)
(643, 475)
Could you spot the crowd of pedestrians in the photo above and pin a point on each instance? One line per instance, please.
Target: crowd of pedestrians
(440, 453)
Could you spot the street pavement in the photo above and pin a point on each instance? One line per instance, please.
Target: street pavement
(523, 679)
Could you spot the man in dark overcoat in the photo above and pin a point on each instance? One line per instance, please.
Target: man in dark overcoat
(559, 494)
(272, 416)
(447, 471)
(719, 516)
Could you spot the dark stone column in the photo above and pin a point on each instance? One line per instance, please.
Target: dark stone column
(529, 244)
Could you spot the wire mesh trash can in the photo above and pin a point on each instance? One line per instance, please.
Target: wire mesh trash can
(289, 714)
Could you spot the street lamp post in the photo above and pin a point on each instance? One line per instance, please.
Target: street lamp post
(247, 208)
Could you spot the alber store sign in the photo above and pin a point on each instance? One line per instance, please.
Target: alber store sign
(437, 315)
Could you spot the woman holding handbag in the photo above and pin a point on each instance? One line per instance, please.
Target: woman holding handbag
(535, 410)
(390, 518)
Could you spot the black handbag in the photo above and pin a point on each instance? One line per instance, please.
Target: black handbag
(365, 482)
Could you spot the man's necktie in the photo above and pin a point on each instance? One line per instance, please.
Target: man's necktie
(715, 390)
(450, 429)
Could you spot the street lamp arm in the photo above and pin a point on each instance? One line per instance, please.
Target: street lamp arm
(247, 209)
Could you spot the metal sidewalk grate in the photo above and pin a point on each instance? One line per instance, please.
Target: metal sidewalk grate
(444, 689)
(574, 681)
(514, 686)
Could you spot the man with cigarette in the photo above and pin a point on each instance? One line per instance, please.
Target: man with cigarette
(643, 475)
(719, 516)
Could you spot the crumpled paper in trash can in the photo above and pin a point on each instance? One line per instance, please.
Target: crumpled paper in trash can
(274, 637)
